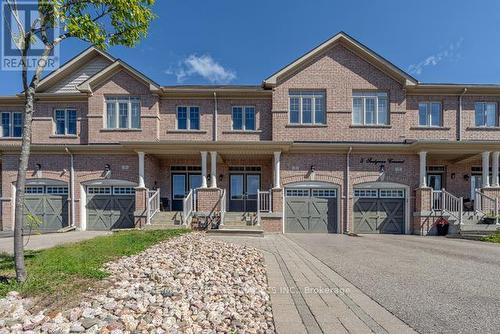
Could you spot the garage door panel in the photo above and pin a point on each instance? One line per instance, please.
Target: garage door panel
(50, 210)
(105, 212)
(379, 215)
(310, 214)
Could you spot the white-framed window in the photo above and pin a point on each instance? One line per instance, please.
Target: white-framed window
(99, 190)
(392, 193)
(123, 112)
(65, 122)
(307, 107)
(486, 114)
(370, 108)
(188, 118)
(34, 190)
(366, 193)
(243, 118)
(324, 193)
(56, 190)
(430, 114)
(123, 191)
(297, 192)
(12, 124)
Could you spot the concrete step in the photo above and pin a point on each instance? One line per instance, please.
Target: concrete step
(167, 217)
(479, 228)
(240, 227)
(237, 232)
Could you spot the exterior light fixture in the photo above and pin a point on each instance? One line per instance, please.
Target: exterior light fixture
(382, 169)
(221, 176)
(312, 168)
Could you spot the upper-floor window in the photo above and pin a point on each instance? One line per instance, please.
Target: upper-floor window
(429, 114)
(123, 113)
(486, 114)
(307, 107)
(370, 108)
(243, 118)
(65, 121)
(12, 124)
(188, 118)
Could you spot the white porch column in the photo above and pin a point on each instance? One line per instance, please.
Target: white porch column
(494, 167)
(277, 157)
(486, 169)
(141, 169)
(213, 169)
(423, 169)
(203, 169)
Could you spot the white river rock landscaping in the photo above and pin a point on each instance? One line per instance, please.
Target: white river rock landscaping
(189, 284)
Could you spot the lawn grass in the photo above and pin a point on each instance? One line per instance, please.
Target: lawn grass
(61, 272)
(492, 238)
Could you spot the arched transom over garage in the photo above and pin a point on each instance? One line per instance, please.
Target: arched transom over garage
(381, 207)
(311, 207)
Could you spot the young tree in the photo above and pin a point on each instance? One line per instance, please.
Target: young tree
(102, 23)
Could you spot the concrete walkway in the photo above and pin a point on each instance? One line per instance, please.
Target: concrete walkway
(42, 241)
(309, 297)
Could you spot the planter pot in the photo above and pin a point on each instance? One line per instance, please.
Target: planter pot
(442, 229)
(488, 220)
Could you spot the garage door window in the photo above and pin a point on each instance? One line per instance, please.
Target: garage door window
(392, 193)
(325, 193)
(297, 192)
(99, 190)
(51, 190)
(33, 190)
(366, 193)
(123, 191)
(54, 190)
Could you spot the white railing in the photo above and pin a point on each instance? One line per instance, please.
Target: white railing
(437, 200)
(153, 204)
(188, 206)
(223, 206)
(264, 203)
(452, 204)
(485, 204)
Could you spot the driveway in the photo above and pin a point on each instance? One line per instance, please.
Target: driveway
(42, 241)
(436, 285)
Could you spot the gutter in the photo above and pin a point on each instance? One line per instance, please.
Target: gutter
(215, 117)
(72, 187)
(459, 132)
(347, 183)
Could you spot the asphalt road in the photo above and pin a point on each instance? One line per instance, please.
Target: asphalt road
(435, 285)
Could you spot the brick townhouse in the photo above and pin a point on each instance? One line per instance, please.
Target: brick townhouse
(340, 140)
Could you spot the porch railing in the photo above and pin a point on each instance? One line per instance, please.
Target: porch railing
(188, 206)
(223, 207)
(486, 205)
(264, 203)
(153, 204)
(449, 203)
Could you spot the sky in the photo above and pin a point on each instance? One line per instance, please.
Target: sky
(244, 42)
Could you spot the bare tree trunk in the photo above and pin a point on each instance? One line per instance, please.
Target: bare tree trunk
(20, 185)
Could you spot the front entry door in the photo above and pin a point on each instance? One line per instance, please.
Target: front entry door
(243, 192)
(182, 183)
(435, 181)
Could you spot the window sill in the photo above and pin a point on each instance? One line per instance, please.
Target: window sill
(306, 125)
(64, 136)
(11, 138)
(370, 126)
(243, 131)
(121, 130)
(186, 131)
(430, 128)
(484, 128)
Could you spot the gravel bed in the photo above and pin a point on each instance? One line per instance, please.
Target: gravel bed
(189, 284)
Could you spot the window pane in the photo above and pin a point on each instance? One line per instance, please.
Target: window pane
(357, 110)
(422, 114)
(136, 114)
(479, 114)
(306, 110)
(436, 114)
(319, 110)
(194, 118)
(237, 118)
(17, 130)
(294, 109)
(370, 111)
(111, 112)
(60, 122)
(382, 110)
(249, 118)
(5, 124)
(123, 120)
(182, 118)
(491, 114)
(72, 122)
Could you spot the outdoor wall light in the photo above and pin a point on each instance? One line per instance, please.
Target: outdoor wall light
(466, 177)
(382, 169)
(107, 171)
(312, 168)
(221, 177)
(452, 176)
(38, 167)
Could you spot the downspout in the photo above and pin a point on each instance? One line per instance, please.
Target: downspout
(72, 187)
(459, 134)
(215, 116)
(347, 192)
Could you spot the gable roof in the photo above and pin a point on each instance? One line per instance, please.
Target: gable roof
(118, 65)
(71, 65)
(368, 54)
